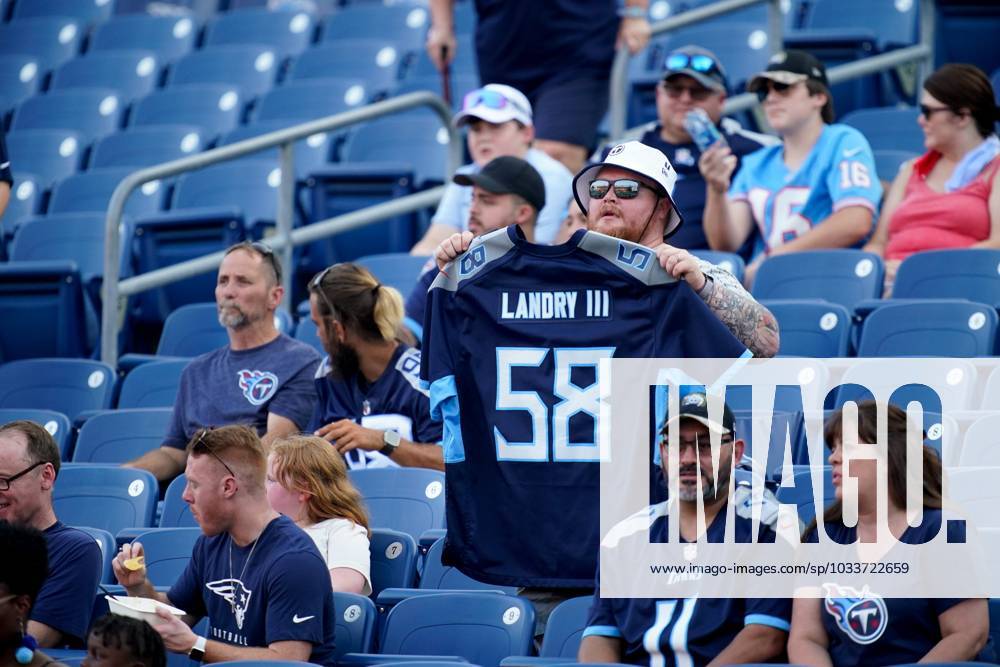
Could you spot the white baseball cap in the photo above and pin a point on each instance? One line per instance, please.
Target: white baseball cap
(495, 103)
(640, 159)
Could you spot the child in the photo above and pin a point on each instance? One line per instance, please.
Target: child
(119, 641)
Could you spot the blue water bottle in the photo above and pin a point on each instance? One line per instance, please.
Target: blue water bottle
(703, 131)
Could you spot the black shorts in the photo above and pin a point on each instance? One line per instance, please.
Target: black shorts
(570, 110)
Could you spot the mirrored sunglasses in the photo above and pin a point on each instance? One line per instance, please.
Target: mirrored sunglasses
(625, 188)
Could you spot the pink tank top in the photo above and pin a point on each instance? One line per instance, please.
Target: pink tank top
(931, 220)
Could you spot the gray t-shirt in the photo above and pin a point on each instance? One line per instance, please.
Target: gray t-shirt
(227, 386)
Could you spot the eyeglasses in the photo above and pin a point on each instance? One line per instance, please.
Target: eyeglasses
(778, 87)
(625, 188)
(316, 287)
(927, 111)
(697, 93)
(5, 481)
(701, 447)
(490, 99)
(200, 445)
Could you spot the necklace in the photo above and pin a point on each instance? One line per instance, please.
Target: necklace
(239, 599)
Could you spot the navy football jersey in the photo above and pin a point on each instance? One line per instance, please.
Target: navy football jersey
(513, 337)
(683, 631)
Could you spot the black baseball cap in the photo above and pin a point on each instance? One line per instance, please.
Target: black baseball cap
(700, 64)
(790, 67)
(695, 406)
(508, 175)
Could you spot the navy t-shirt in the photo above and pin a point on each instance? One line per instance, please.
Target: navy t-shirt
(66, 598)
(276, 589)
(395, 401)
(227, 386)
(513, 338)
(689, 191)
(523, 42)
(698, 628)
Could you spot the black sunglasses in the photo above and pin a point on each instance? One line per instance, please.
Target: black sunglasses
(266, 251)
(697, 93)
(5, 481)
(316, 287)
(776, 86)
(625, 188)
(200, 446)
(927, 111)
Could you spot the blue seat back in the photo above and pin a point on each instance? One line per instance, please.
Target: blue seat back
(131, 74)
(84, 12)
(888, 127)
(417, 141)
(310, 153)
(21, 77)
(287, 33)
(929, 329)
(56, 423)
(801, 493)
(121, 435)
(393, 559)
(192, 330)
(375, 61)
(49, 154)
(840, 276)
(69, 386)
(106, 542)
(811, 328)
(888, 162)
(91, 112)
(251, 185)
(47, 301)
(312, 99)
(306, 332)
(403, 24)
(152, 385)
(168, 36)
(25, 200)
(106, 497)
(483, 628)
(564, 629)
(967, 273)
(215, 108)
(895, 23)
(355, 627)
(176, 513)
(146, 146)
(252, 68)
(396, 269)
(91, 191)
(77, 237)
(167, 552)
(436, 575)
(406, 499)
(729, 261)
(51, 39)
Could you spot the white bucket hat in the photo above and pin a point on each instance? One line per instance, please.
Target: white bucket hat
(495, 103)
(640, 159)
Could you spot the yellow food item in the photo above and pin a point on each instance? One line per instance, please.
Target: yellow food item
(135, 564)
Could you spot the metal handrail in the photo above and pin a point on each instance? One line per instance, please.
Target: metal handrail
(113, 290)
(619, 70)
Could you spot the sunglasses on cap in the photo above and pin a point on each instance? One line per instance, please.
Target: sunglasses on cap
(698, 63)
(316, 286)
(776, 86)
(490, 99)
(625, 188)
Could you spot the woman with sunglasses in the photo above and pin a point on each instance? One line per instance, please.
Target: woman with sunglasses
(897, 630)
(818, 189)
(950, 196)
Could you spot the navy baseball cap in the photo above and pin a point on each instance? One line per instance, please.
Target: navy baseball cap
(700, 64)
(695, 406)
(508, 175)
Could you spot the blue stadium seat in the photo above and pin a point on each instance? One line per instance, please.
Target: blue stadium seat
(399, 270)
(729, 261)
(20, 77)
(309, 154)
(152, 385)
(892, 128)
(176, 513)
(78, 237)
(90, 192)
(167, 552)
(52, 40)
(463, 65)
(147, 146)
(929, 328)
(106, 542)
(252, 68)
(436, 575)
(375, 61)
(459, 86)
(840, 276)
(50, 155)
(893, 24)
(119, 436)
(48, 302)
(169, 37)
(85, 11)
(406, 499)
(306, 332)
(355, 628)
(741, 46)
(69, 386)
(801, 493)
(888, 162)
(311, 99)
(393, 559)
(199, 8)
(91, 112)
(106, 497)
(215, 108)
(967, 273)
(131, 74)
(25, 200)
(563, 632)
(192, 330)
(414, 143)
(403, 24)
(811, 328)
(288, 33)
(246, 189)
(56, 423)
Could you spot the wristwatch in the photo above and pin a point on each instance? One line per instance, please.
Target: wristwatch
(197, 652)
(391, 440)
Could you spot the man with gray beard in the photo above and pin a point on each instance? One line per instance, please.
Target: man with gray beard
(262, 379)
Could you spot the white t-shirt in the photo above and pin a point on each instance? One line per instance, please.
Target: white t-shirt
(343, 543)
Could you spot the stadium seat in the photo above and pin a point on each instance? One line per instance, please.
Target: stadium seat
(888, 162)
(90, 192)
(169, 37)
(52, 39)
(416, 140)
(147, 146)
(105, 497)
(167, 552)
(811, 328)
(929, 328)
(106, 542)
(981, 445)
(288, 33)
(48, 302)
(801, 493)
(403, 24)
(436, 575)
(252, 68)
(85, 11)
(69, 386)
(192, 330)
(243, 190)
(131, 74)
(311, 99)
(953, 379)
(215, 108)
(309, 154)
(839, 276)
(459, 86)
(119, 436)
(406, 499)
(355, 628)
(20, 77)
(893, 128)
(729, 261)
(91, 112)
(393, 559)
(375, 61)
(176, 513)
(464, 64)
(399, 270)
(56, 423)
(25, 200)
(152, 385)
(968, 273)
(563, 634)
(77, 237)
(50, 155)
(306, 332)
(894, 24)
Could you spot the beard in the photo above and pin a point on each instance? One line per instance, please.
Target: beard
(232, 316)
(711, 488)
(344, 361)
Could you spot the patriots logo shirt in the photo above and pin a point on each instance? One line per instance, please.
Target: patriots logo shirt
(236, 594)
